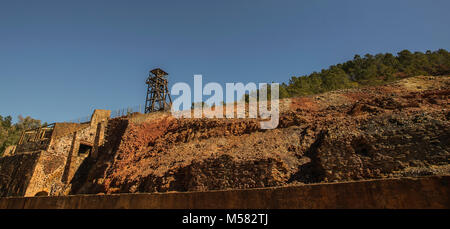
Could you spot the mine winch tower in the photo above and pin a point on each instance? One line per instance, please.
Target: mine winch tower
(158, 96)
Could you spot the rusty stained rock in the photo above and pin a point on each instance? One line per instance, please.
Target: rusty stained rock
(400, 129)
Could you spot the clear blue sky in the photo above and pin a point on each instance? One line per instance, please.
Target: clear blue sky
(59, 59)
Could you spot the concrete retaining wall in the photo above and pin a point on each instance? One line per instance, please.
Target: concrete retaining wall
(425, 192)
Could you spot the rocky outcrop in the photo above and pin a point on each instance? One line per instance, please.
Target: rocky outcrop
(395, 130)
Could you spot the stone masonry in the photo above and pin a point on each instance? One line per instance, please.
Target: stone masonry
(46, 159)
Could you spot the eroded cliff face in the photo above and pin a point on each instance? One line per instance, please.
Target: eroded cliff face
(401, 129)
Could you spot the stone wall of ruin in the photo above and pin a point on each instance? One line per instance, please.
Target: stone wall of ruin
(47, 168)
(47, 174)
(16, 172)
(57, 166)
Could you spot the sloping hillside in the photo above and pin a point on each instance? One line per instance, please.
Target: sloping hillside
(400, 129)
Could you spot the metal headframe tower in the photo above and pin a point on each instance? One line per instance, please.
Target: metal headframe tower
(158, 97)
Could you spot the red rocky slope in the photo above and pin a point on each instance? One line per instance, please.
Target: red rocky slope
(400, 129)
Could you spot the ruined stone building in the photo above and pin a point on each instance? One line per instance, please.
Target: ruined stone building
(45, 159)
(396, 130)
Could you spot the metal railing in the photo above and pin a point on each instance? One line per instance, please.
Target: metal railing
(126, 111)
(115, 113)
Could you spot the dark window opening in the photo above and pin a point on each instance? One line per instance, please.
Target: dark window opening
(84, 149)
(42, 193)
(48, 134)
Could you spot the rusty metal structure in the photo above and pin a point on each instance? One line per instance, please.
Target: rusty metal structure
(158, 96)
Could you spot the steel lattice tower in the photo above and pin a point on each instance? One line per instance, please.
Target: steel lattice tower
(158, 96)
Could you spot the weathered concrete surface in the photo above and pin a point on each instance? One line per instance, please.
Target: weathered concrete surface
(424, 192)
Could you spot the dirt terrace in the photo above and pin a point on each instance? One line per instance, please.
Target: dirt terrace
(397, 130)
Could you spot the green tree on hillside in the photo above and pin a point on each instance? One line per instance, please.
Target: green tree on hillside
(368, 70)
